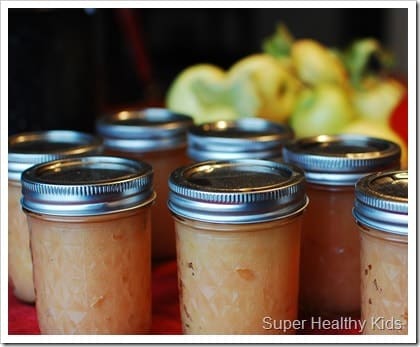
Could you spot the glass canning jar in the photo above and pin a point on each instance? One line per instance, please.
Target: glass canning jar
(381, 212)
(330, 262)
(245, 138)
(25, 150)
(238, 241)
(157, 136)
(89, 221)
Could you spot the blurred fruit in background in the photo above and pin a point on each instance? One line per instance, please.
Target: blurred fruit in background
(324, 109)
(315, 64)
(203, 92)
(256, 85)
(378, 98)
(275, 86)
(314, 88)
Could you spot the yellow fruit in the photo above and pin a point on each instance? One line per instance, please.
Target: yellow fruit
(276, 86)
(315, 64)
(379, 130)
(378, 99)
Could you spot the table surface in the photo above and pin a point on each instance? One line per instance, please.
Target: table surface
(165, 316)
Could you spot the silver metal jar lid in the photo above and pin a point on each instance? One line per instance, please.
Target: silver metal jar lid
(27, 149)
(341, 160)
(86, 186)
(245, 138)
(381, 201)
(237, 192)
(145, 130)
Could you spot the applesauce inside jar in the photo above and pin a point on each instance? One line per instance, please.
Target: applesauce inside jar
(330, 262)
(381, 212)
(225, 282)
(244, 138)
(25, 150)
(90, 230)
(20, 262)
(157, 136)
(92, 274)
(238, 243)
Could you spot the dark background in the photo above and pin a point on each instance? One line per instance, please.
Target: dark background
(67, 66)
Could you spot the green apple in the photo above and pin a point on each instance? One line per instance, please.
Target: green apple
(276, 86)
(323, 110)
(382, 130)
(204, 92)
(316, 64)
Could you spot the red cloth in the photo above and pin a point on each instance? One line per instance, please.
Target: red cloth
(165, 319)
(166, 316)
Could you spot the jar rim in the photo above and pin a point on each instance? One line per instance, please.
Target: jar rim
(237, 191)
(90, 185)
(143, 130)
(30, 148)
(381, 201)
(342, 159)
(247, 137)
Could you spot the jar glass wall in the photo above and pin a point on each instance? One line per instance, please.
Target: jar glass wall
(92, 275)
(381, 213)
(330, 262)
(26, 150)
(384, 292)
(90, 233)
(238, 227)
(238, 279)
(19, 253)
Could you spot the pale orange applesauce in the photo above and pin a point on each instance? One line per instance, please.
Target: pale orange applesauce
(381, 212)
(238, 242)
(232, 276)
(330, 261)
(92, 274)
(157, 136)
(90, 235)
(384, 269)
(25, 150)
(20, 263)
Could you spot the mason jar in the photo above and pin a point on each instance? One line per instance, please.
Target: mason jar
(157, 136)
(245, 138)
(25, 150)
(238, 241)
(89, 221)
(330, 262)
(381, 212)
